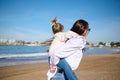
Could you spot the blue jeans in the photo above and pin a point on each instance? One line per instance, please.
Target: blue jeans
(58, 76)
(69, 74)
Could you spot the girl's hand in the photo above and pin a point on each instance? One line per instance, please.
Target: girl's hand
(52, 68)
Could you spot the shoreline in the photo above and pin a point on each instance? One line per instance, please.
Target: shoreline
(92, 67)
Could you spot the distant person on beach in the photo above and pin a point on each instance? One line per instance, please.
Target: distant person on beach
(60, 37)
(71, 51)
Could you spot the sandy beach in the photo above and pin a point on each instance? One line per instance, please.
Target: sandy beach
(92, 67)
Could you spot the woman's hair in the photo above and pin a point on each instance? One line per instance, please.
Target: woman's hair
(56, 27)
(80, 26)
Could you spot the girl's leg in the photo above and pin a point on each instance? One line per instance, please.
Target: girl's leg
(70, 75)
(58, 76)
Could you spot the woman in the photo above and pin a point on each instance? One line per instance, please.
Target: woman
(68, 56)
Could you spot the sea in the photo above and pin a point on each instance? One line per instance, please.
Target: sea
(17, 55)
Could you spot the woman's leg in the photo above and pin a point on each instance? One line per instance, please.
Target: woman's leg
(70, 75)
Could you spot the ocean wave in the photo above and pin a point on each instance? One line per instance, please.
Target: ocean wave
(20, 63)
(22, 55)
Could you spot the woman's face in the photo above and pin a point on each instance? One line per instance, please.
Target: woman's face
(86, 32)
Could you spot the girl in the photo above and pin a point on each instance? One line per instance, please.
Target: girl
(60, 37)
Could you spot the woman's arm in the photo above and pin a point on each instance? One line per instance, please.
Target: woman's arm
(66, 50)
(69, 48)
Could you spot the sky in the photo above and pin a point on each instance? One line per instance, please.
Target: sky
(29, 20)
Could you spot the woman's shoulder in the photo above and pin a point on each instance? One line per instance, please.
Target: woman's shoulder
(78, 39)
(71, 34)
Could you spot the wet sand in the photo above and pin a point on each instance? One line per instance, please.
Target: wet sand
(92, 67)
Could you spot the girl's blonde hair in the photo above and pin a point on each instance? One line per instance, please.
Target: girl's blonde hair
(56, 27)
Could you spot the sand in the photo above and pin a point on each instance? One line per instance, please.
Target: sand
(92, 67)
